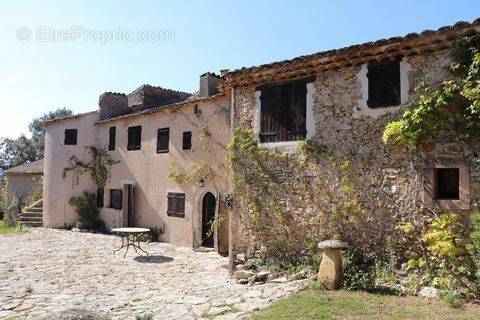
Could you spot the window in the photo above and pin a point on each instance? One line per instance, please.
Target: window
(134, 138)
(446, 183)
(163, 138)
(100, 194)
(116, 199)
(187, 140)
(70, 137)
(111, 138)
(383, 84)
(176, 205)
(283, 112)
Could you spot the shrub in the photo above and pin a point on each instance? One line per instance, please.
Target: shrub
(86, 207)
(3, 193)
(452, 298)
(359, 271)
(151, 236)
(288, 263)
(99, 224)
(82, 223)
(20, 228)
(155, 234)
(12, 212)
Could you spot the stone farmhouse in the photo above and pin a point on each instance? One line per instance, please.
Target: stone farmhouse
(341, 99)
(24, 183)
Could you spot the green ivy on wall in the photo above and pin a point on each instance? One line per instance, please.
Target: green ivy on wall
(453, 106)
(98, 167)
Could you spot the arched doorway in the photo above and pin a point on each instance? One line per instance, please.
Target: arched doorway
(208, 217)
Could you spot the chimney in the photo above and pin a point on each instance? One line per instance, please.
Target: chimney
(224, 72)
(209, 84)
(112, 104)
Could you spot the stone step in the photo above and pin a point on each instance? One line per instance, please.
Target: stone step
(32, 214)
(30, 219)
(35, 209)
(31, 224)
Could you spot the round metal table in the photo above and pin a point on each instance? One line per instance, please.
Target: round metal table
(130, 235)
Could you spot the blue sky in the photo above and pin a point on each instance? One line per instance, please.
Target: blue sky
(39, 75)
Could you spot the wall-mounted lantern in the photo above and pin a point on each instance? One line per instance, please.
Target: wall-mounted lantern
(201, 183)
(229, 200)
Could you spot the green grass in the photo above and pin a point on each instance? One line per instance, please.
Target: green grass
(5, 229)
(342, 305)
(18, 229)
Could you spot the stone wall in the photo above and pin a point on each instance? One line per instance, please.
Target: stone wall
(112, 104)
(387, 181)
(23, 186)
(147, 96)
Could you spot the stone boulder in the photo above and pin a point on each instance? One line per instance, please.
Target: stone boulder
(429, 292)
(243, 274)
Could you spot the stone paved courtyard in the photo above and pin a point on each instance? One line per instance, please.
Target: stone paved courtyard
(45, 271)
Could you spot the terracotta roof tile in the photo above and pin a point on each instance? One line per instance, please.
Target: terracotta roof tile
(410, 44)
(35, 167)
(191, 99)
(75, 116)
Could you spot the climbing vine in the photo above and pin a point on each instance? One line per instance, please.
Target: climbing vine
(98, 167)
(452, 108)
(198, 170)
(450, 111)
(312, 197)
(204, 135)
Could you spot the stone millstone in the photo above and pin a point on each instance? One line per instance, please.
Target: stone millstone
(332, 244)
(330, 272)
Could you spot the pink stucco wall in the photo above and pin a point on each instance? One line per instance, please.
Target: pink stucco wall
(144, 168)
(58, 191)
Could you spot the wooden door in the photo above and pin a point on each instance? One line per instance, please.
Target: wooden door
(223, 234)
(208, 219)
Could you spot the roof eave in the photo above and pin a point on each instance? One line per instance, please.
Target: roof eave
(411, 44)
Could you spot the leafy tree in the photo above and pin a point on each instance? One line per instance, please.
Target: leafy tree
(37, 128)
(3, 195)
(15, 152)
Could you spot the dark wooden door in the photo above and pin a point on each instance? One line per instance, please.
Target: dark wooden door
(130, 205)
(208, 218)
(223, 232)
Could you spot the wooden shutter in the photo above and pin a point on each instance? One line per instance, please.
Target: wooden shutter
(176, 204)
(283, 112)
(270, 110)
(187, 140)
(116, 198)
(112, 138)
(163, 137)
(100, 196)
(297, 113)
(170, 204)
(383, 84)
(134, 138)
(70, 137)
(180, 205)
